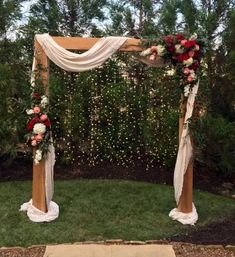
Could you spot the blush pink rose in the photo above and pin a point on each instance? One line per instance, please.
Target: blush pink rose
(34, 143)
(190, 79)
(186, 71)
(36, 109)
(39, 137)
(183, 42)
(153, 48)
(197, 47)
(191, 53)
(152, 57)
(43, 117)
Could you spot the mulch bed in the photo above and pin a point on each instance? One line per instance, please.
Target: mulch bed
(221, 233)
(189, 250)
(204, 178)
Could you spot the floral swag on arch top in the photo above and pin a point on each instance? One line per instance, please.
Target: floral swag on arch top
(184, 57)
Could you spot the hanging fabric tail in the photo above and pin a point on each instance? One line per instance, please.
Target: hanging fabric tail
(184, 157)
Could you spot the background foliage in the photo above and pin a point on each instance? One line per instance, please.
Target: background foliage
(123, 111)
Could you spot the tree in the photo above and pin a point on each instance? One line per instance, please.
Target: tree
(133, 18)
(12, 86)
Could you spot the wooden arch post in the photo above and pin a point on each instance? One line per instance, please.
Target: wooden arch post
(186, 200)
(39, 190)
(83, 44)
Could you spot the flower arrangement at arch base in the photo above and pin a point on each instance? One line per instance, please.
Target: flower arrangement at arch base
(39, 125)
(184, 55)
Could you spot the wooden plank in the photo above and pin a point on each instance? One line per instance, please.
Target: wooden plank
(78, 43)
(185, 203)
(186, 199)
(39, 190)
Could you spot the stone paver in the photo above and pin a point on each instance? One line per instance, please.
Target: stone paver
(96, 250)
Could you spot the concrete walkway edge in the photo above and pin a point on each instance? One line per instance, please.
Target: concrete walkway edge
(98, 250)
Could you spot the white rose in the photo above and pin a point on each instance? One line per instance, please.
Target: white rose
(188, 62)
(38, 156)
(160, 50)
(171, 72)
(146, 52)
(39, 128)
(29, 111)
(186, 90)
(44, 101)
(179, 49)
(193, 37)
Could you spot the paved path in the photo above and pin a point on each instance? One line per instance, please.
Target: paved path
(97, 250)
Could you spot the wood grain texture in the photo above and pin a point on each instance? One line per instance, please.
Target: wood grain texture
(78, 43)
(186, 199)
(39, 190)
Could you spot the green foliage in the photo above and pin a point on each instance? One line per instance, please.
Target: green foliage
(119, 112)
(102, 114)
(215, 140)
(9, 13)
(169, 16)
(67, 17)
(102, 210)
(13, 88)
(133, 18)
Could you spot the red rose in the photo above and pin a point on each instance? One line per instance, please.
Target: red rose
(169, 39)
(190, 43)
(183, 57)
(36, 95)
(31, 123)
(194, 66)
(196, 55)
(171, 49)
(47, 123)
(179, 37)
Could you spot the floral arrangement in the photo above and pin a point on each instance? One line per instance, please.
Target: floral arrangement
(184, 54)
(38, 126)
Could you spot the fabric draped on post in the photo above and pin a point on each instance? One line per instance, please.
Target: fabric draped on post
(35, 214)
(184, 218)
(184, 156)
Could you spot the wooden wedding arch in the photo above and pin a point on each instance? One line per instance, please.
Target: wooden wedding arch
(185, 204)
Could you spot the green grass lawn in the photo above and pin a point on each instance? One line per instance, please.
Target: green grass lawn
(101, 209)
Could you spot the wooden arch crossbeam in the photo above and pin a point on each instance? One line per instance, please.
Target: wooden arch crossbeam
(83, 44)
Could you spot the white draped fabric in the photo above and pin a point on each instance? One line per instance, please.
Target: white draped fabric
(184, 218)
(35, 214)
(184, 156)
(185, 151)
(88, 60)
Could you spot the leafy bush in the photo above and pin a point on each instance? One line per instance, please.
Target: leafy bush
(215, 142)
